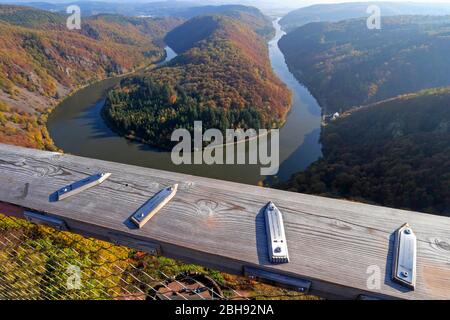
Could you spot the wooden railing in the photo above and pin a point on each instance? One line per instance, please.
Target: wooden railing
(336, 247)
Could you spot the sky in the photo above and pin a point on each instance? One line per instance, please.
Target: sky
(287, 2)
(341, 1)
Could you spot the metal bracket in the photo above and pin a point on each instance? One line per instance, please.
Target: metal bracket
(156, 203)
(405, 256)
(82, 185)
(277, 243)
(123, 240)
(297, 284)
(41, 219)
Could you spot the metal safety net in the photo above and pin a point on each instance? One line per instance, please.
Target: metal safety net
(41, 263)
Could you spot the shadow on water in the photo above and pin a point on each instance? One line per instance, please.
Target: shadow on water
(89, 119)
(306, 154)
(100, 130)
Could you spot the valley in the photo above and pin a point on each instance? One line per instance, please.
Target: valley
(221, 76)
(389, 144)
(41, 62)
(76, 126)
(81, 113)
(343, 64)
(364, 115)
(334, 77)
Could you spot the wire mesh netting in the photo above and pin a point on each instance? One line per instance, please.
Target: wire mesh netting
(40, 263)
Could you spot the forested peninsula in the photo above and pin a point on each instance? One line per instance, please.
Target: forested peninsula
(222, 77)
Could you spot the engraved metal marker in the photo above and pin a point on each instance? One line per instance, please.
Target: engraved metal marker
(82, 185)
(148, 210)
(278, 251)
(405, 255)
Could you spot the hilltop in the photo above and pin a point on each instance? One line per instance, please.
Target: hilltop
(250, 16)
(345, 11)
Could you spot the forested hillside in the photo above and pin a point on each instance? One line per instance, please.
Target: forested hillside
(222, 76)
(345, 64)
(344, 11)
(180, 9)
(250, 16)
(394, 153)
(41, 61)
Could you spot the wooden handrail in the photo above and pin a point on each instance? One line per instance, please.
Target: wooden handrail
(333, 244)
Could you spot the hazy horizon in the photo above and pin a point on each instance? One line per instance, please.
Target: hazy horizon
(274, 3)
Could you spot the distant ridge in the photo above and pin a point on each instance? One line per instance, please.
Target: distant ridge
(344, 11)
(344, 64)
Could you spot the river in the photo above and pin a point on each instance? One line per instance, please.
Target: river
(77, 127)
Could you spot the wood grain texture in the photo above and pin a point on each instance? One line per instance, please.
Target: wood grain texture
(220, 224)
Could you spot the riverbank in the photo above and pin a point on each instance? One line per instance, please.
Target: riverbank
(114, 76)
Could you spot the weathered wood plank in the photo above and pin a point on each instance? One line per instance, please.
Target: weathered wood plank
(220, 224)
